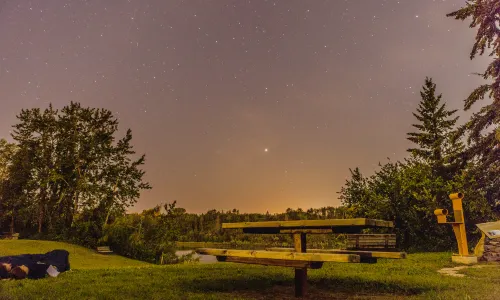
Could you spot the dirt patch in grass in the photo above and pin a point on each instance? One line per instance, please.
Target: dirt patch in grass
(455, 270)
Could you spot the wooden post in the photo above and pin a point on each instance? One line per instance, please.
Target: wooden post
(459, 226)
(299, 242)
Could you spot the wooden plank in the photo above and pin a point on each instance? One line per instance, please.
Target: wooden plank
(310, 224)
(375, 254)
(371, 245)
(368, 243)
(373, 235)
(104, 250)
(272, 262)
(372, 242)
(375, 245)
(299, 242)
(277, 230)
(372, 248)
(320, 257)
(9, 236)
(307, 231)
(382, 239)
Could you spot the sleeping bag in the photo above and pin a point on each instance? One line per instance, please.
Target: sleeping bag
(34, 266)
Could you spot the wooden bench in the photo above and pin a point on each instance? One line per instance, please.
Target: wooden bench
(9, 236)
(384, 242)
(282, 257)
(104, 250)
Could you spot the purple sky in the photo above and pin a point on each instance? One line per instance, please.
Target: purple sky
(208, 86)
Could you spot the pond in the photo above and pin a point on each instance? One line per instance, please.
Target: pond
(204, 259)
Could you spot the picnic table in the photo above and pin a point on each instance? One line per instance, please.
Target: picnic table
(300, 257)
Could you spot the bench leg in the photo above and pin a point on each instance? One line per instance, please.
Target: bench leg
(299, 241)
(300, 282)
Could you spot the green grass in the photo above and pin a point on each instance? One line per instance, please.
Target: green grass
(95, 276)
(79, 257)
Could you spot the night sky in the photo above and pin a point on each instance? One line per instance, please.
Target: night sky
(254, 105)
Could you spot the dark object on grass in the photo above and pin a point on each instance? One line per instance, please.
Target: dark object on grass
(33, 266)
(58, 259)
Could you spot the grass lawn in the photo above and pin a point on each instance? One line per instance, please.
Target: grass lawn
(95, 276)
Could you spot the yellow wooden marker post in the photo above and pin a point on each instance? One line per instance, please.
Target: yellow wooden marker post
(458, 228)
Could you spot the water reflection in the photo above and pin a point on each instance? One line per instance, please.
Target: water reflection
(204, 259)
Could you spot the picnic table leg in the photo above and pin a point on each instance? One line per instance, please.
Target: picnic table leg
(300, 282)
(299, 242)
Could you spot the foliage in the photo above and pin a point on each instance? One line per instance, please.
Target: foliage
(408, 192)
(7, 151)
(484, 148)
(151, 235)
(70, 175)
(401, 193)
(7, 154)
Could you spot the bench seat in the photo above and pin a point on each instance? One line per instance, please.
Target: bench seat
(362, 254)
(279, 255)
(104, 250)
(272, 262)
(371, 241)
(9, 236)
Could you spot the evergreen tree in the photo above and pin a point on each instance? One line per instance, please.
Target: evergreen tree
(481, 129)
(435, 142)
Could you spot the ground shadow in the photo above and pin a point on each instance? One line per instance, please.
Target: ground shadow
(270, 287)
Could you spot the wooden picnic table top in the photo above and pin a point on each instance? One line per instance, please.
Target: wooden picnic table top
(310, 224)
